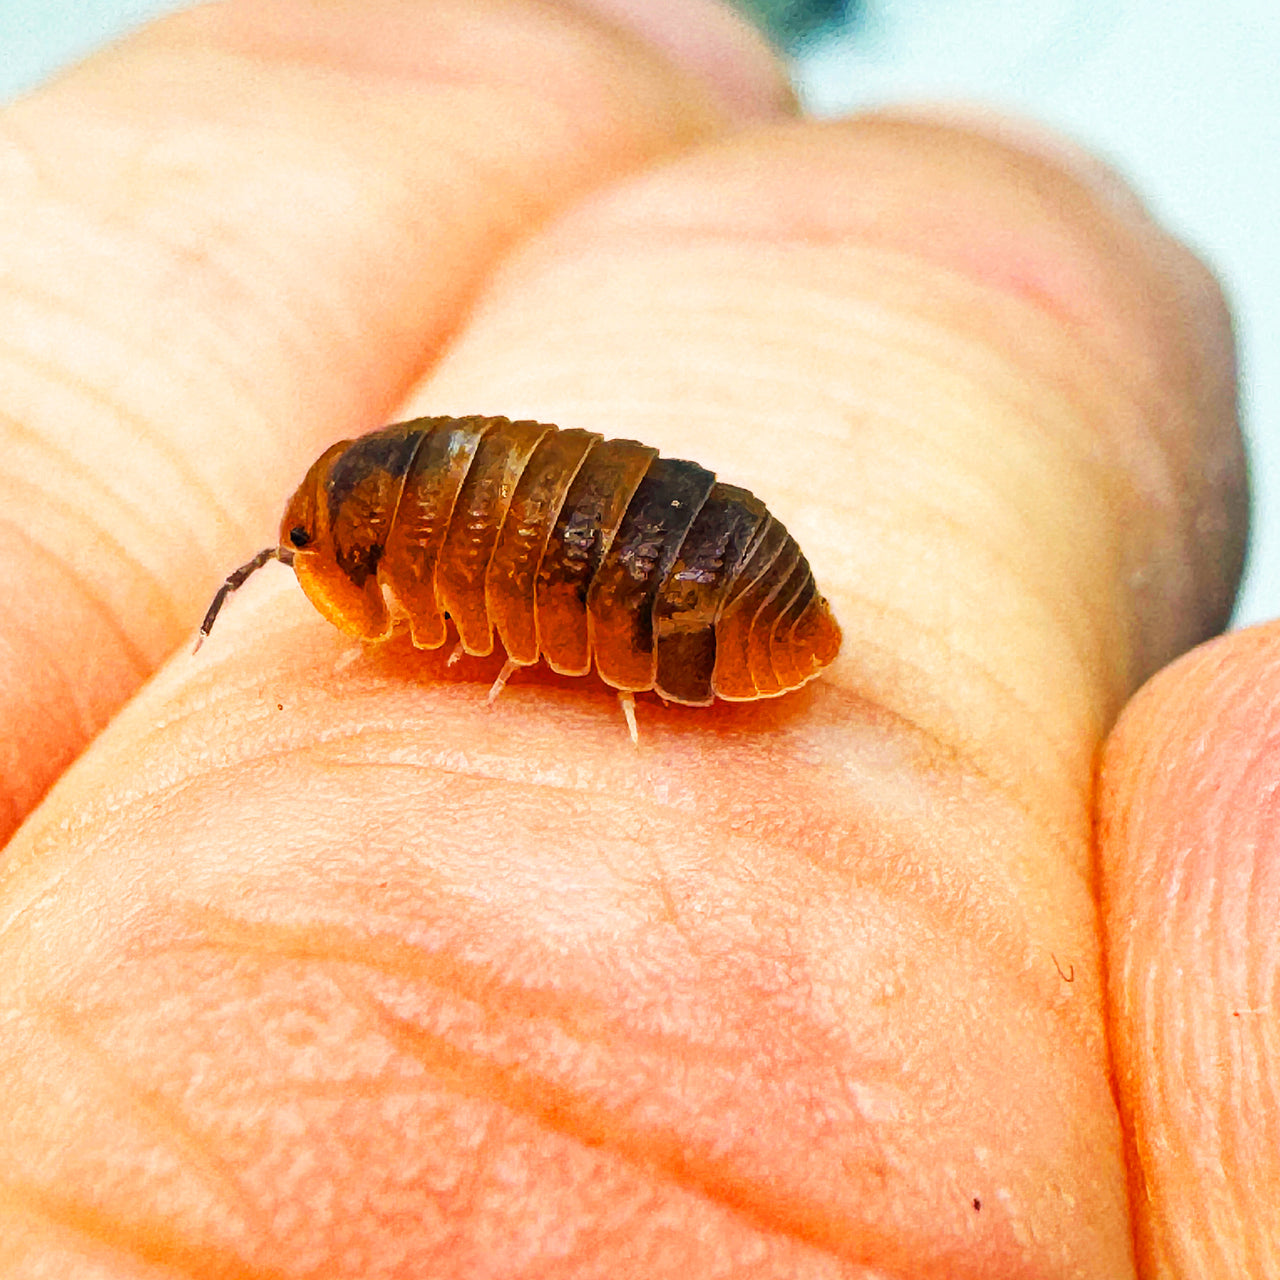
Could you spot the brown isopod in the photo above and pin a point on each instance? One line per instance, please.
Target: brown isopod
(576, 549)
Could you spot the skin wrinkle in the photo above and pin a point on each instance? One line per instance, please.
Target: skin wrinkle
(890, 331)
(887, 875)
(961, 534)
(210, 364)
(558, 1117)
(160, 528)
(1251, 1099)
(448, 219)
(206, 255)
(1187, 794)
(557, 121)
(304, 326)
(607, 228)
(1262, 960)
(576, 1014)
(570, 1115)
(1143, 1193)
(146, 584)
(218, 352)
(922, 269)
(352, 948)
(80, 543)
(334, 747)
(68, 1026)
(1041, 188)
(938, 449)
(1010, 699)
(152, 1242)
(89, 598)
(218, 691)
(1209, 1060)
(1084, 637)
(956, 347)
(244, 279)
(894, 330)
(1061, 614)
(1081, 646)
(609, 231)
(961, 749)
(567, 1113)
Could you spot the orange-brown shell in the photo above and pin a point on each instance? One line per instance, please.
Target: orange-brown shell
(574, 548)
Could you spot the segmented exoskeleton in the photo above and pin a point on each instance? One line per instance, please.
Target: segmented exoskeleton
(575, 549)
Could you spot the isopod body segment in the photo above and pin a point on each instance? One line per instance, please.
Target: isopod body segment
(568, 547)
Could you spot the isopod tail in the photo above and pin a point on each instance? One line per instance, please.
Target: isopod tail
(774, 632)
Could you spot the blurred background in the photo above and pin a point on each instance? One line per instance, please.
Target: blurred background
(1182, 97)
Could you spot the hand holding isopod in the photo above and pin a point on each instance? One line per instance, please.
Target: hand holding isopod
(312, 962)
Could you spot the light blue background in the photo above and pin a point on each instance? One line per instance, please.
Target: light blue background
(1182, 96)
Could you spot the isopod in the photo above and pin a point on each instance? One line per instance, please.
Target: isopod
(575, 549)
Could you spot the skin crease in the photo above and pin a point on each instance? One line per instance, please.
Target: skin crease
(314, 964)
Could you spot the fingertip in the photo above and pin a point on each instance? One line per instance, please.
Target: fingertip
(714, 42)
(1035, 138)
(1057, 222)
(1189, 856)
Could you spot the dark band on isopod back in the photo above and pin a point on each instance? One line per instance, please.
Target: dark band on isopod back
(623, 595)
(716, 549)
(362, 493)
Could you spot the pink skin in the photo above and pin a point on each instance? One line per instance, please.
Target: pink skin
(713, 41)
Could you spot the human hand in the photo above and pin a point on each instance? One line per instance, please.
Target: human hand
(325, 969)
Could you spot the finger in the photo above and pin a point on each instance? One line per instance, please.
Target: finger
(243, 232)
(800, 987)
(1188, 853)
(1030, 492)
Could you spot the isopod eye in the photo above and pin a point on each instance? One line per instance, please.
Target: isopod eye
(299, 536)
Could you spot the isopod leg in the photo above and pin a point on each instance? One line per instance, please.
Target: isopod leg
(627, 701)
(509, 669)
(456, 656)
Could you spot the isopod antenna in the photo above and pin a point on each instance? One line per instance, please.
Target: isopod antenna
(237, 580)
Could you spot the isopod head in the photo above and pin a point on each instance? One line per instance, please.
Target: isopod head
(335, 527)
